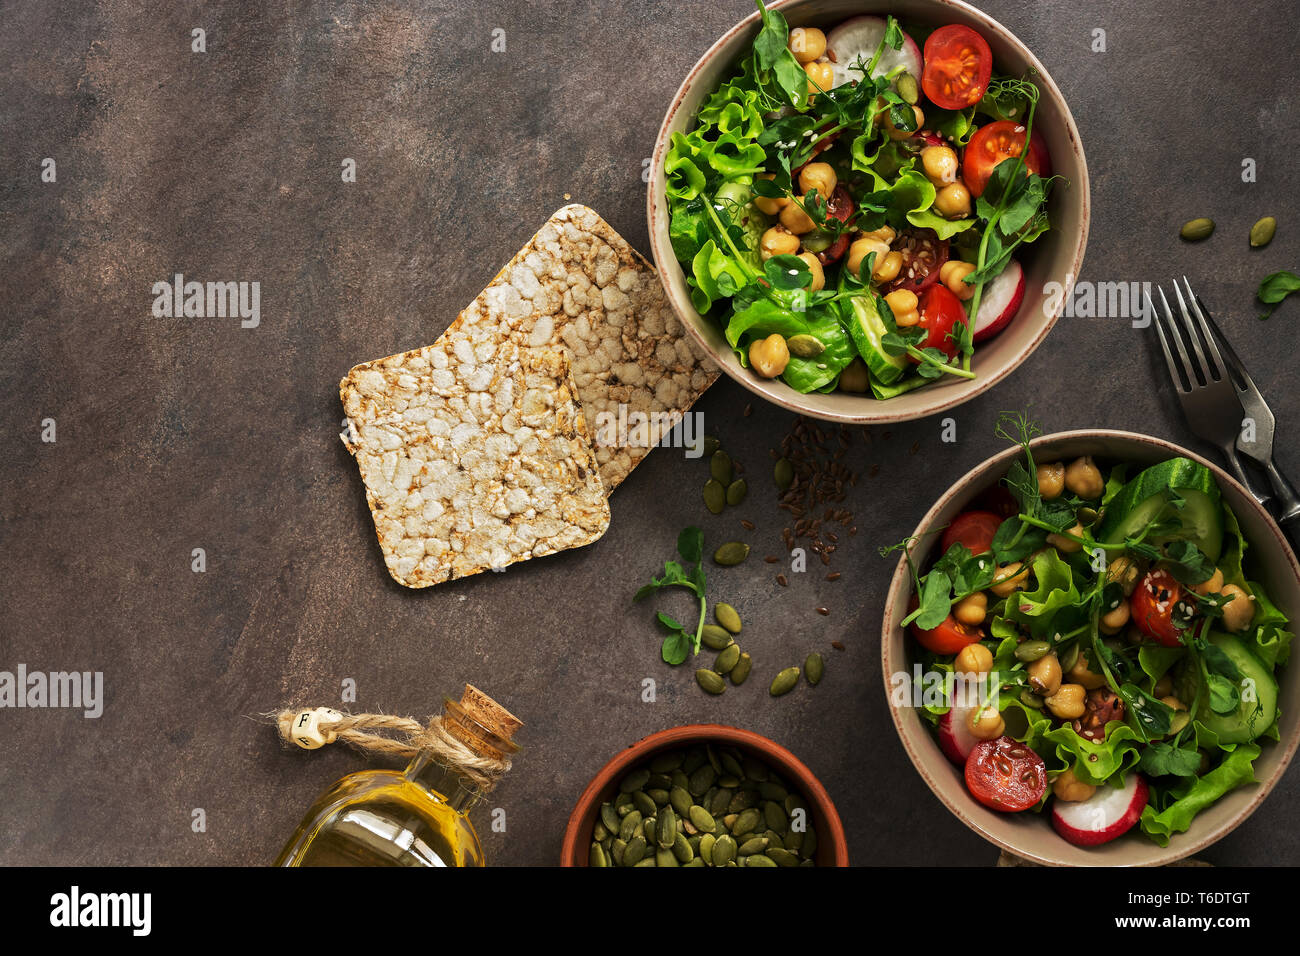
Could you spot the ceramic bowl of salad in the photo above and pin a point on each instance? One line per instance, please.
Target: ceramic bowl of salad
(868, 211)
(1086, 646)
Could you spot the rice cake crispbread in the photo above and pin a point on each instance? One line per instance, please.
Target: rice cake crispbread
(579, 286)
(474, 454)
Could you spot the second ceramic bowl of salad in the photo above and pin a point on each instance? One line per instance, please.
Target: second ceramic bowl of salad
(749, 173)
(1136, 670)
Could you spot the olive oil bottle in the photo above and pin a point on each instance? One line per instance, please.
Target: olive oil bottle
(414, 817)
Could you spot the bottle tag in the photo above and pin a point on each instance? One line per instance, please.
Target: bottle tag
(306, 730)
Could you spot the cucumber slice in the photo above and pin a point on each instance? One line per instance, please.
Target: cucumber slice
(868, 328)
(1251, 718)
(1147, 496)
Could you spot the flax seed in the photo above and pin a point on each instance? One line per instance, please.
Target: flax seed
(833, 576)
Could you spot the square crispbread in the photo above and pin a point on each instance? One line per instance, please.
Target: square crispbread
(578, 285)
(474, 454)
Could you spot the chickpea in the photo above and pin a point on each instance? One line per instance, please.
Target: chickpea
(1211, 585)
(796, 220)
(854, 378)
(1113, 620)
(885, 234)
(972, 609)
(1066, 545)
(807, 43)
(821, 77)
(1079, 673)
(1068, 702)
(767, 205)
(953, 201)
(1164, 687)
(1051, 480)
(953, 274)
(1125, 572)
(1010, 578)
(769, 357)
(901, 300)
(939, 164)
(818, 273)
(1237, 612)
(1083, 478)
(986, 723)
(1045, 675)
(973, 659)
(888, 268)
(1071, 789)
(895, 133)
(859, 249)
(818, 176)
(777, 241)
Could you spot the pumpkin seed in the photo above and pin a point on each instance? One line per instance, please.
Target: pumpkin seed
(781, 856)
(702, 819)
(752, 846)
(774, 816)
(783, 474)
(599, 832)
(715, 496)
(736, 491)
(726, 616)
(804, 346)
(724, 850)
(665, 858)
(667, 761)
(731, 553)
(1030, 699)
(609, 816)
(597, 856)
(642, 801)
(682, 849)
(727, 659)
(635, 780)
(1070, 658)
(711, 446)
(741, 671)
(680, 799)
(1261, 234)
(813, 668)
(660, 781)
(666, 827)
(907, 89)
(1031, 651)
(718, 802)
(648, 861)
(710, 680)
(704, 776)
(635, 851)
(648, 830)
(758, 859)
(741, 802)
(705, 851)
(714, 637)
(1195, 230)
(771, 790)
(659, 797)
(747, 821)
(720, 467)
(616, 851)
(784, 682)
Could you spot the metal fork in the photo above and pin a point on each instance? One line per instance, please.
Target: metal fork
(1260, 449)
(1208, 396)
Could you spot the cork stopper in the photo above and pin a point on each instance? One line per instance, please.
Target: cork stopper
(481, 724)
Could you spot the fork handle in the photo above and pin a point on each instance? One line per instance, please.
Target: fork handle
(1288, 501)
(1234, 463)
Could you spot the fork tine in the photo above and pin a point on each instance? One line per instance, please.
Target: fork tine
(1176, 373)
(1231, 365)
(1207, 375)
(1188, 367)
(1203, 327)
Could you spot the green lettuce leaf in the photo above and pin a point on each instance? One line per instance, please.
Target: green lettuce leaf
(1235, 770)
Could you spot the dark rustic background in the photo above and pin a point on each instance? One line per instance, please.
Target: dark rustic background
(178, 434)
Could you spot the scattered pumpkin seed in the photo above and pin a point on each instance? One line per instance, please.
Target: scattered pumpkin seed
(804, 346)
(711, 446)
(710, 680)
(907, 89)
(726, 616)
(736, 491)
(784, 682)
(727, 660)
(813, 668)
(1195, 230)
(702, 819)
(731, 553)
(713, 637)
(1261, 234)
(740, 672)
(1031, 651)
(598, 857)
(783, 474)
(715, 496)
(720, 467)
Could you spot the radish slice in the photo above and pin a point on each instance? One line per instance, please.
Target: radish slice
(955, 739)
(1000, 301)
(857, 39)
(1107, 814)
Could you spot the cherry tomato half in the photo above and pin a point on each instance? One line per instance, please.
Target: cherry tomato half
(996, 143)
(958, 64)
(1005, 775)
(974, 529)
(940, 311)
(840, 206)
(924, 254)
(948, 638)
(1153, 605)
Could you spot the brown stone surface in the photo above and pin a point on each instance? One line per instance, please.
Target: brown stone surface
(175, 434)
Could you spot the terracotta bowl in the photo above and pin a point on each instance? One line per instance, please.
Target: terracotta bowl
(1030, 834)
(1055, 257)
(832, 849)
